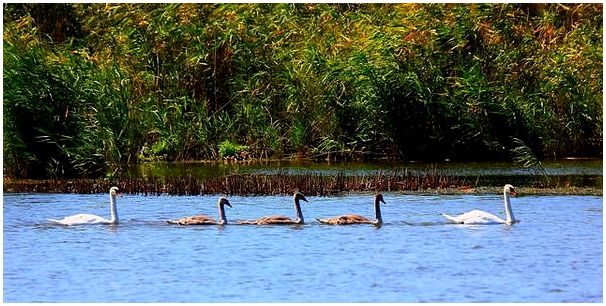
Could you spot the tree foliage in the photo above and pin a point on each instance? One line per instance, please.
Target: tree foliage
(89, 88)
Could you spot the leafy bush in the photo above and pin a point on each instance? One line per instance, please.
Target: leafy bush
(230, 149)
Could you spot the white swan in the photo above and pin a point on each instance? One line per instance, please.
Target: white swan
(481, 217)
(84, 219)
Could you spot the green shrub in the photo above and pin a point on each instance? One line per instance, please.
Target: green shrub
(230, 149)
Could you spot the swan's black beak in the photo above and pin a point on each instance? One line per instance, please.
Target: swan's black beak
(228, 204)
(304, 199)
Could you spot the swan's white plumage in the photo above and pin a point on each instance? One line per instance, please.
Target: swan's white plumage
(475, 217)
(88, 219)
(481, 217)
(80, 219)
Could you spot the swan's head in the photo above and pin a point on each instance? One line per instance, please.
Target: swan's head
(379, 198)
(510, 190)
(114, 191)
(224, 201)
(299, 196)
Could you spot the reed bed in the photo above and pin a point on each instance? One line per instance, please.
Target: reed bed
(249, 184)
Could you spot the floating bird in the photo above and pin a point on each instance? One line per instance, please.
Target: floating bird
(357, 219)
(203, 219)
(86, 219)
(282, 219)
(481, 217)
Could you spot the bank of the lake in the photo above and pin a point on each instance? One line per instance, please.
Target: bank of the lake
(323, 179)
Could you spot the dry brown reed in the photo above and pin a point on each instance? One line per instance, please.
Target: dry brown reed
(249, 184)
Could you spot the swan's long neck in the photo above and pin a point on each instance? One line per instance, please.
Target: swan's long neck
(298, 211)
(112, 209)
(379, 218)
(508, 213)
(222, 219)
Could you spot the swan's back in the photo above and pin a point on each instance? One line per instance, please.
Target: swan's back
(270, 220)
(81, 219)
(475, 217)
(194, 220)
(345, 219)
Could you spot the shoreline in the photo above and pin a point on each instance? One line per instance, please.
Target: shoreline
(283, 185)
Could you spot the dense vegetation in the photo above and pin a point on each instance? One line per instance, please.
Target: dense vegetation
(89, 88)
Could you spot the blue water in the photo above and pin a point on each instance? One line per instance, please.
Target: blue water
(553, 255)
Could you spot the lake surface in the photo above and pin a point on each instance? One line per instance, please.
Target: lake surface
(553, 255)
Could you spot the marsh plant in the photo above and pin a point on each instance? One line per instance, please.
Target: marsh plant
(91, 88)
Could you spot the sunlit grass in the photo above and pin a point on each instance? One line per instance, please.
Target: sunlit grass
(92, 88)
